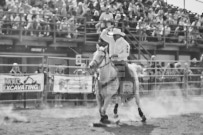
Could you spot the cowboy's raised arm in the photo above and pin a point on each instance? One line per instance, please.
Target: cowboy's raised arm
(104, 35)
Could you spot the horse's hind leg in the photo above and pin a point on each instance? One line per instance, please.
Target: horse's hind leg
(115, 110)
(137, 100)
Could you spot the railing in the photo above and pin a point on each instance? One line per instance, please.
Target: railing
(53, 31)
(49, 28)
(139, 47)
(150, 83)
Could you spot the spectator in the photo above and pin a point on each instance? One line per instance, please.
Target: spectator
(7, 23)
(15, 71)
(79, 9)
(44, 70)
(117, 18)
(58, 95)
(166, 30)
(95, 15)
(59, 5)
(125, 7)
(16, 23)
(63, 10)
(65, 28)
(151, 14)
(195, 70)
(105, 19)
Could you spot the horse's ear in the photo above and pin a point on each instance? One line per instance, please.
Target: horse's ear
(97, 46)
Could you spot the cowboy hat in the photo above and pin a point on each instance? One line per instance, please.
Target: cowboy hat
(15, 64)
(116, 31)
(194, 60)
(177, 65)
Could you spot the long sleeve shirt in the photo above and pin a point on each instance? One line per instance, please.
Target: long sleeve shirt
(119, 47)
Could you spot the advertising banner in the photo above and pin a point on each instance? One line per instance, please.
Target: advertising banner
(72, 84)
(25, 83)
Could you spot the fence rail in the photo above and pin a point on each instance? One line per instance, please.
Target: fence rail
(187, 35)
(190, 84)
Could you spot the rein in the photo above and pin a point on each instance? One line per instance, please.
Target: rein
(109, 62)
(107, 83)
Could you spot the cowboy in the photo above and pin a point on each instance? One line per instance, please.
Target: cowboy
(119, 49)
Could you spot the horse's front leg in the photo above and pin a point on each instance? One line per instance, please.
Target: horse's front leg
(104, 117)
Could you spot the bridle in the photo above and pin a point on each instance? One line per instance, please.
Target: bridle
(103, 57)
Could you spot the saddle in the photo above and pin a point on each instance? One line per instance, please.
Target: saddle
(126, 78)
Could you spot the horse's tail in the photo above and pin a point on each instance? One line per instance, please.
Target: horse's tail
(133, 67)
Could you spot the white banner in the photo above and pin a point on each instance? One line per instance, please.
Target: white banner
(26, 83)
(72, 84)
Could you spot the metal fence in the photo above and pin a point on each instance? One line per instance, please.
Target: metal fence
(187, 79)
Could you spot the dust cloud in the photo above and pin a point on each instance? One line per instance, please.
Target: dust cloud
(161, 105)
(7, 115)
(75, 112)
(164, 103)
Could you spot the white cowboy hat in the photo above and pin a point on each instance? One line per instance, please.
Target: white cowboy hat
(194, 60)
(178, 64)
(116, 31)
(15, 64)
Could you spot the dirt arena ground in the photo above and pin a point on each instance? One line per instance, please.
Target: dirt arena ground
(164, 118)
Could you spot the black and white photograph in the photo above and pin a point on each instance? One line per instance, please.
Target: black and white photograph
(101, 67)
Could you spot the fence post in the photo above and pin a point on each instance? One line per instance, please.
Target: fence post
(164, 33)
(85, 30)
(186, 82)
(201, 83)
(155, 80)
(24, 97)
(20, 27)
(186, 43)
(54, 31)
(46, 75)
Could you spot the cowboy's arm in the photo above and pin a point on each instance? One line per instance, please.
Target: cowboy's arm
(104, 35)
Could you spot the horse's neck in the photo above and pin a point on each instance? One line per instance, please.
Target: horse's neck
(107, 73)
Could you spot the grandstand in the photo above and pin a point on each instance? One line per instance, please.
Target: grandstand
(56, 29)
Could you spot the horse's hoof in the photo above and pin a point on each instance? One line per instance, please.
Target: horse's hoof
(144, 119)
(105, 120)
(116, 116)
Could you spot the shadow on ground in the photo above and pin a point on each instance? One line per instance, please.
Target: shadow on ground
(126, 129)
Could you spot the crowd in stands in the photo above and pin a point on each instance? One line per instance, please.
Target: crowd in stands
(149, 18)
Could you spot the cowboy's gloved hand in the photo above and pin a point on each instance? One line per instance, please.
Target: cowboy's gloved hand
(114, 56)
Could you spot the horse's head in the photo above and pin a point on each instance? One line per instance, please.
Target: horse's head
(99, 57)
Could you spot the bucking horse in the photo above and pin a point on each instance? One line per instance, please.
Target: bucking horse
(109, 83)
